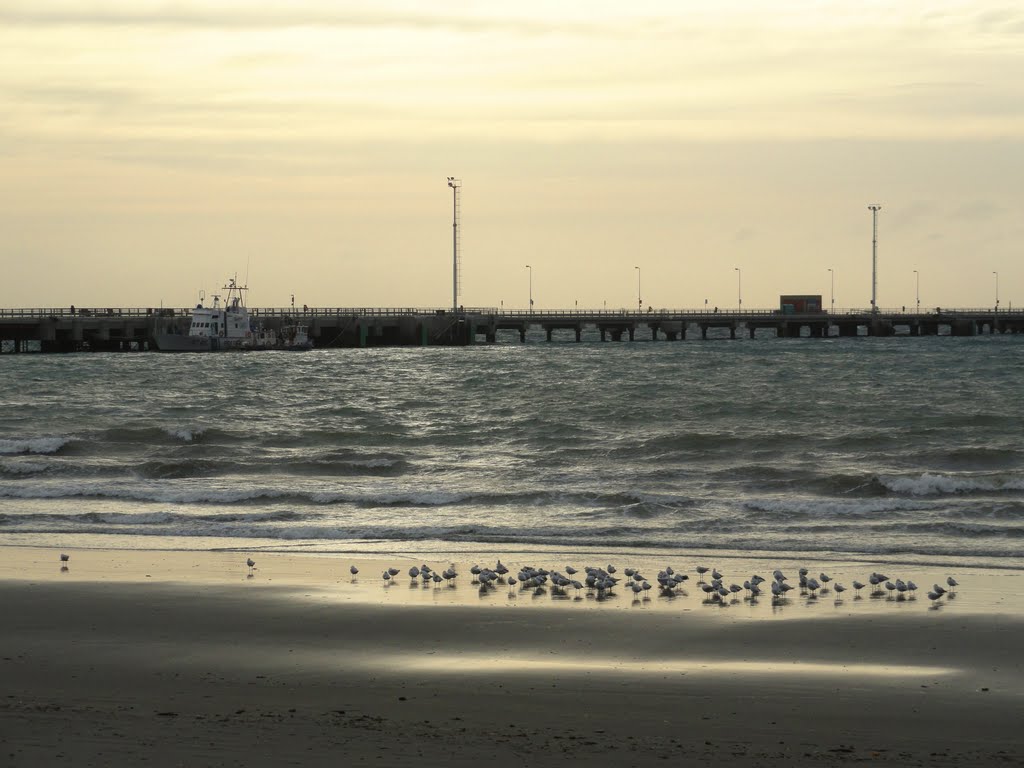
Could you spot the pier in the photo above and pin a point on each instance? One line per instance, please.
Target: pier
(120, 329)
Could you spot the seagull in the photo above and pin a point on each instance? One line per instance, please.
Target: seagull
(64, 558)
(250, 562)
(825, 578)
(702, 569)
(953, 583)
(839, 588)
(858, 585)
(716, 575)
(353, 570)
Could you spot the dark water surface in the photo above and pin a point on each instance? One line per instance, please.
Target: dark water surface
(907, 448)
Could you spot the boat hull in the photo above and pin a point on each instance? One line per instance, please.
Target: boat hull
(176, 342)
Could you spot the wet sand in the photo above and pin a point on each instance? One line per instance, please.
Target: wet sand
(157, 658)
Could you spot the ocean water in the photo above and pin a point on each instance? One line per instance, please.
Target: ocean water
(905, 449)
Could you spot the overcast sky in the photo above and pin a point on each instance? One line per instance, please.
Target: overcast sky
(149, 150)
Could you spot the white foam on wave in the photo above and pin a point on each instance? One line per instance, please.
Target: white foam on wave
(23, 467)
(928, 484)
(166, 495)
(184, 434)
(824, 507)
(33, 445)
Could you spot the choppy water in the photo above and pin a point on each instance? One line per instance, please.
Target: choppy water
(904, 448)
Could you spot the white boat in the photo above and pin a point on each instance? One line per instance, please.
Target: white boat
(229, 326)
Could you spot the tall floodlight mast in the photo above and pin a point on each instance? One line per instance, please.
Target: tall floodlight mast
(455, 185)
(874, 208)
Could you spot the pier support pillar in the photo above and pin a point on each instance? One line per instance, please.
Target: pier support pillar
(548, 332)
(880, 328)
(579, 334)
(750, 330)
(632, 333)
(963, 328)
(847, 329)
(732, 331)
(603, 337)
(704, 332)
(522, 335)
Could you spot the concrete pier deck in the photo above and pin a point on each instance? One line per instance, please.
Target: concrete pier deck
(109, 329)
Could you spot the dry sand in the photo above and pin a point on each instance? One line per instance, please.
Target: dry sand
(155, 658)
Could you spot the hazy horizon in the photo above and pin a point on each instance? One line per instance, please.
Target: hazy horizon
(153, 150)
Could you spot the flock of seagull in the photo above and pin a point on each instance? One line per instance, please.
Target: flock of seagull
(603, 581)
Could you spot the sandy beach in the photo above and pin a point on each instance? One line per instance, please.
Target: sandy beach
(182, 658)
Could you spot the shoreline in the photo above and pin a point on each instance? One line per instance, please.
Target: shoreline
(134, 657)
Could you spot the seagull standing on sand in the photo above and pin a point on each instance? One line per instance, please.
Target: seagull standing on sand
(64, 558)
(353, 570)
(953, 583)
(251, 563)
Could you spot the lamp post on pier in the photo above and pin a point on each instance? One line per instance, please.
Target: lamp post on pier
(530, 269)
(455, 185)
(639, 301)
(997, 290)
(832, 295)
(917, 290)
(874, 208)
(739, 288)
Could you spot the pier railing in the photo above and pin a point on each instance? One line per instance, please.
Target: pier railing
(525, 314)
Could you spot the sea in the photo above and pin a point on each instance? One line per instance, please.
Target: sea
(879, 449)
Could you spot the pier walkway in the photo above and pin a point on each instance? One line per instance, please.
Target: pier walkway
(69, 329)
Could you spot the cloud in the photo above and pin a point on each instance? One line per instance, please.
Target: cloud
(286, 16)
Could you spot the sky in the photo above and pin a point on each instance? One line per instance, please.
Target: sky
(673, 152)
